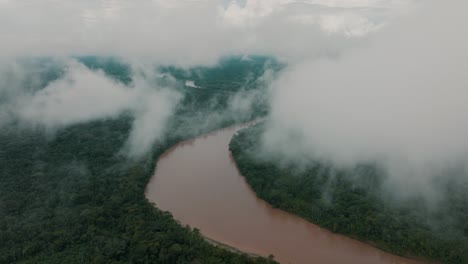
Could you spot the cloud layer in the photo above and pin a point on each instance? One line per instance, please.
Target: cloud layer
(343, 92)
(186, 32)
(82, 95)
(154, 33)
(401, 101)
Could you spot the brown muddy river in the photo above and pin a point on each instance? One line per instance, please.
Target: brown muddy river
(198, 182)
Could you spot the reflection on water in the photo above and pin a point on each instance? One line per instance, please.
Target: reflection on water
(198, 182)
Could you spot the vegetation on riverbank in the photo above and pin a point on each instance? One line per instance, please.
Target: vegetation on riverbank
(72, 198)
(350, 202)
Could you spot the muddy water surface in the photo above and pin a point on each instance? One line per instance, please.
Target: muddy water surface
(198, 182)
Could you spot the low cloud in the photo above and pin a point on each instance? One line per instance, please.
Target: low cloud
(401, 101)
(162, 32)
(187, 32)
(82, 95)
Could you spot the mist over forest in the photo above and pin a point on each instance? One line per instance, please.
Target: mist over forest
(362, 111)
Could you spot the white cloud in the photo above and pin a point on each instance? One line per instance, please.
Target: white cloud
(401, 101)
(80, 96)
(169, 32)
(83, 95)
(184, 32)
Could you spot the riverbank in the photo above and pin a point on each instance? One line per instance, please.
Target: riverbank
(229, 248)
(198, 182)
(352, 205)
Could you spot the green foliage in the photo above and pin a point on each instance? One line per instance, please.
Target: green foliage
(230, 74)
(72, 198)
(350, 202)
(111, 66)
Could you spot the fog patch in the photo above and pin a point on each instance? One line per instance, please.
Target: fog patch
(187, 32)
(401, 102)
(192, 84)
(82, 95)
(150, 121)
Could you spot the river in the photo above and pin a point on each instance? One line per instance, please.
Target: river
(198, 182)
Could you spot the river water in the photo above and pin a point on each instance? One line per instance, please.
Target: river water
(198, 182)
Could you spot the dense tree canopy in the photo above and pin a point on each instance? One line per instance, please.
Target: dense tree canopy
(71, 197)
(350, 202)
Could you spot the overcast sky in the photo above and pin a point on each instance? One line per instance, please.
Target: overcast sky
(187, 31)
